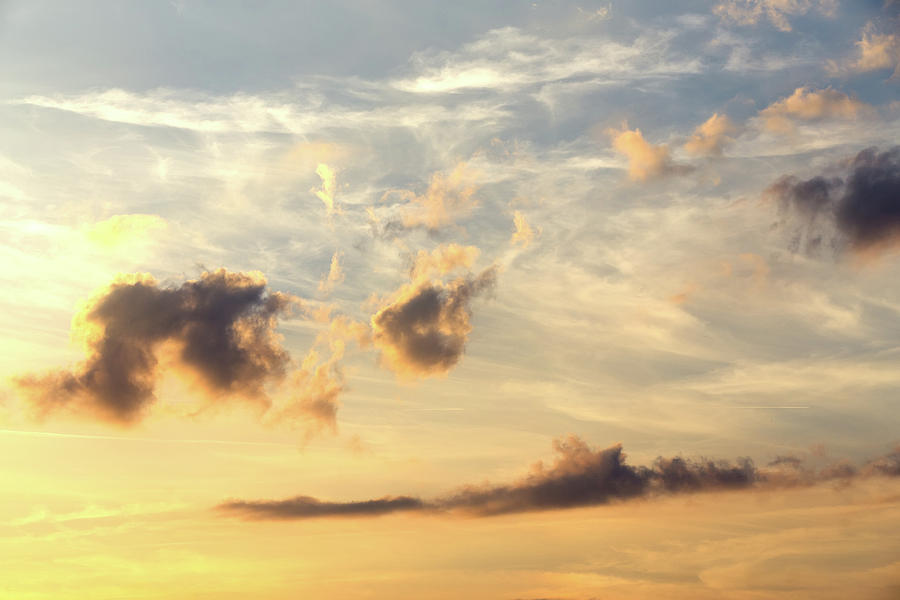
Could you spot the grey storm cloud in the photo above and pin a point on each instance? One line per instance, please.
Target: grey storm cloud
(221, 328)
(581, 476)
(862, 206)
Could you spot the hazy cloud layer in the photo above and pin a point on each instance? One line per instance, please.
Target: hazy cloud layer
(750, 12)
(581, 476)
(861, 202)
(220, 328)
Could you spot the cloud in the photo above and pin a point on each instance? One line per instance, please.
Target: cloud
(448, 197)
(329, 186)
(317, 385)
(219, 328)
(863, 206)
(335, 274)
(423, 330)
(645, 161)
(511, 59)
(523, 234)
(305, 507)
(749, 12)
(581, 476)
(712, 136)
(122, 230)
(877, 51)
(806, 104)
(444, 259)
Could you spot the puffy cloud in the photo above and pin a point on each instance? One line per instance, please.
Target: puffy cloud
(335, 274)
(876, 51)
(645, 161)
(220, 328)
(811, 105)
(863, 207)
(749, 12)
(423, 330)
(329, 187)
(523, 234)
(712, 136)
(581, 476)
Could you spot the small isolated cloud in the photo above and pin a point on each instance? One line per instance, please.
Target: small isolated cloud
(219, 328)
(424, 328)
(123, 230)
(335, 274)
(449, 197)
(806, 104)
(861, 203)
(580, 476)
(523, 234)
(750, 12)
(329, 187)
(876, 51)
(712, 136)
(645, 161)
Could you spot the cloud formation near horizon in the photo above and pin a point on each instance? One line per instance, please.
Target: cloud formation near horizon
(863, 206)
(219, 328)
(579, 476)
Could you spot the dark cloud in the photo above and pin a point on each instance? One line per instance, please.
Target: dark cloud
(869, 210)
(424, 330)
(304, 507)
(220, 328)
(583, 476)
(862, 208)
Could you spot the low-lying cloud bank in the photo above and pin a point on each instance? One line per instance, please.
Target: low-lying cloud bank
(579, 476)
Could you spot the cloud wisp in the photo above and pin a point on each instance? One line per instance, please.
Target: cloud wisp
(750, 12)
(219, 328)
(579, 476)
(862, 205)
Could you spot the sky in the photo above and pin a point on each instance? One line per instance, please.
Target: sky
(512, 300)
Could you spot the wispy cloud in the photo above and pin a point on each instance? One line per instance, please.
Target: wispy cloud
(750, 12)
